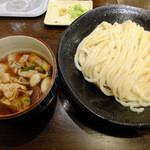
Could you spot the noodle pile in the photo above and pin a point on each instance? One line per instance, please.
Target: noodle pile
(116, 58)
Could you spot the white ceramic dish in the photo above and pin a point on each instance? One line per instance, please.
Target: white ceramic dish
(53, 16)
(19, 43)
(23, 8)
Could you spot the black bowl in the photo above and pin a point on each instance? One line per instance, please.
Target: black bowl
(85, 94)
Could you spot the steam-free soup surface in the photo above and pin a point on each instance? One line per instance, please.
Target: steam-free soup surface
(24, 78)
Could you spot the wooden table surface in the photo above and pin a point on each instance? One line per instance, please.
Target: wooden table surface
(62, 126)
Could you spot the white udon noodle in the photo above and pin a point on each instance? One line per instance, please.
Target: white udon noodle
(117, 59)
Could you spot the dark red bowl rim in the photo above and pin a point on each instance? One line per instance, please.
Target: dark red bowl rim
(49, 88)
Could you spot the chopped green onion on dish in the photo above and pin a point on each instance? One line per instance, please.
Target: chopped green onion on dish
(39, 69)
(29, 68)
(76, 11)
(26, 102)
(34, 67)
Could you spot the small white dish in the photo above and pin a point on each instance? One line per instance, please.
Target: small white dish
(53, 16)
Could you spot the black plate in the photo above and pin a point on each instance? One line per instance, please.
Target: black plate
(87, 95)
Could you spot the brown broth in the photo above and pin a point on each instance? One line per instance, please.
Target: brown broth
(10, 71)
(4, 110)
(3, 60)
(36, 89)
